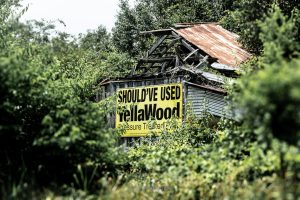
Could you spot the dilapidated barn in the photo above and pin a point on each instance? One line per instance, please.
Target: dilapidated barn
(202, 57)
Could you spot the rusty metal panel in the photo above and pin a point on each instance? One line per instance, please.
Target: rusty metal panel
(204, 100)
(223, 67)
(214, 77)
(216, 42)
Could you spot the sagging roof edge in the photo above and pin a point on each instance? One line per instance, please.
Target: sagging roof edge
(207, 87)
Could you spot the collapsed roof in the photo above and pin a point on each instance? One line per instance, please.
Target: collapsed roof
(190, 48)
(205, 53)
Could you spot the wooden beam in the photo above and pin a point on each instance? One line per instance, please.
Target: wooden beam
(157, 43)
(155, 66)
(133, 70)
(186, 45)
(193, 71)
(157, 32)
(177, 61)
(200, 65)
(175, 35)
(202, 62)
(192, 59)
(169, 46)
(156, 60)
(192, 53)
(163, 67)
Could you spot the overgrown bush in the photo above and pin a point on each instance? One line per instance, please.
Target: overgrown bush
(173, 166)
(53, 133)
(49, 123)
(269, 97)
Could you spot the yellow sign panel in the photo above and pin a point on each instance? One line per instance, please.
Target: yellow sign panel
(143, 110)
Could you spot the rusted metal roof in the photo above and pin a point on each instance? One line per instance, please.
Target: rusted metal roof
(216, 42)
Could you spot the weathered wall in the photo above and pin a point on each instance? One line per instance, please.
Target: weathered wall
(198, 97)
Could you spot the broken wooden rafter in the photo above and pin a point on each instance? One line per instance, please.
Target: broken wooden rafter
(163, 67)
(177, 63)
(138, 65)
(168, 47)
(157, 43)
(202, 62)
(156, 60)
(192, 53)
(185, 44)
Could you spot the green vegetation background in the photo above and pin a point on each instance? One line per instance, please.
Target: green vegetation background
(54, 139)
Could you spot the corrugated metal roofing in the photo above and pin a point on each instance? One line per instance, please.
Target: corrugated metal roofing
(205, 100)
(216, 42)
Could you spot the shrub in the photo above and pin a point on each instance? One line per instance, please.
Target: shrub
(49, 122)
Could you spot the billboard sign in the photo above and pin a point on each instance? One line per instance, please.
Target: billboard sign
(143, 110)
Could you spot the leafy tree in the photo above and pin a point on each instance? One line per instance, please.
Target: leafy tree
(125, 32)
(243, 20)
(96, 40)
(99, 51)
(245, 15)
(281, 42)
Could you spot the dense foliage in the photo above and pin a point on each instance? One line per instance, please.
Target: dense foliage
(54, 139)
(49, 121)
